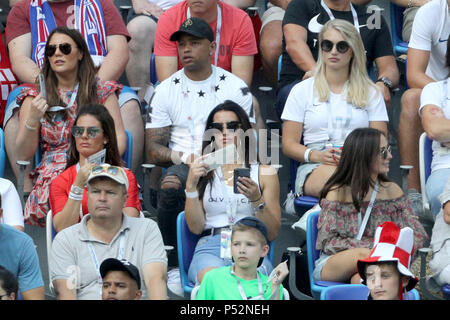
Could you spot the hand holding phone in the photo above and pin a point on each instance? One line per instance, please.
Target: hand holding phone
(239, 172)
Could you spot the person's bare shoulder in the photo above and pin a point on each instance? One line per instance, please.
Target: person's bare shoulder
(391, 190)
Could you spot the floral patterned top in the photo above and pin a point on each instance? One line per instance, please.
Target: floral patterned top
(54, 142)
(338, 223)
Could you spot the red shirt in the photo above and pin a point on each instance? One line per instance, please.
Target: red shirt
(60, 189)
(18, 22)
(236, 38)
(8, 80)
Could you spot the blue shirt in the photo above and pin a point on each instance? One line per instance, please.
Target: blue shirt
(18, 255)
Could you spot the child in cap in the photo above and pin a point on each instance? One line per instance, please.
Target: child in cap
(387, 270)
(242, 281)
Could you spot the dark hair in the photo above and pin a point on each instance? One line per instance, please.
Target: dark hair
(8, 281)
(86, 77)
(109, 131)
(360, 150)
(208, 144)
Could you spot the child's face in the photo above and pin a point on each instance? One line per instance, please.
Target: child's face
(383, 281)
(247, 249)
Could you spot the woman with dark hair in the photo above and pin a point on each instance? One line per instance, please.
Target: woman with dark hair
(435, 115)
(212, 206)
(46, 118)
(9, 286)
(359, 189)
(93, 131)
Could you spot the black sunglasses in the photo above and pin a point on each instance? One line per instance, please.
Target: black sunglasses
(384, 152)
(341, 46)
(65, 48)
(232, 125)
(92, 132)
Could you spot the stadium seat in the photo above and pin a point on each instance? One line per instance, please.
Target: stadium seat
(425, 158)
(186, 242)
(50, 234)
(396, 14)
(313, 255)
(301, 203)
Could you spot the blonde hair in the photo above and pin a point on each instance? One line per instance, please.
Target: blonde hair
(358, 84)
(242, 228)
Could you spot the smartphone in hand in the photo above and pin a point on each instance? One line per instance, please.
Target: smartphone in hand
(239, 172)
(42, 86)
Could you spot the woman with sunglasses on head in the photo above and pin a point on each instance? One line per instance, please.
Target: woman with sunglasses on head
(46, 118)
(356, 199)
(212, 206)
(321, 111)
(93, 131)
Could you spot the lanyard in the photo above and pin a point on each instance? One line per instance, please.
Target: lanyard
(332, 123)
(120, 255)
(241, 289)
(81, 203)
(71, 102)
(231, 206)
(330, 14)
(362, 226)
(218, 29)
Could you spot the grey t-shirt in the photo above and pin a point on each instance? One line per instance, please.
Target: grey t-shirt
(72, 259)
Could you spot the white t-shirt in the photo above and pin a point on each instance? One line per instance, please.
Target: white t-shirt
(11, 205)
(164, 4)
(184, 105)
(430, 31)
(302, 106)
(214, 202)
(433, 93)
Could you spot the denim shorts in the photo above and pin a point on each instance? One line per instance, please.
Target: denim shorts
(207, 254)
(434, 187)
(319, 266)
(125, 95)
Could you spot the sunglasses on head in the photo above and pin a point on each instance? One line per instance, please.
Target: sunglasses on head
(341, 46)
(113, 170)
(65, 48)
(232, 125)
(92, 132)
(384, 152)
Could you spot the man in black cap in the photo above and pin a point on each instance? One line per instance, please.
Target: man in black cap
(177, 116)
(121, 280)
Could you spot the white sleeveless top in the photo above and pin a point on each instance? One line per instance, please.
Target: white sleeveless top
(215, 205)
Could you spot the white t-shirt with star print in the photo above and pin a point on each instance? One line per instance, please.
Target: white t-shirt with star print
(184, 105)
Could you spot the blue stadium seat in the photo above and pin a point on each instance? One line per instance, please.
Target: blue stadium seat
(313, 255)
(2, 153)
(425, 158)
(186, 242)
(396, 13)
(301, 203)
(153, 75)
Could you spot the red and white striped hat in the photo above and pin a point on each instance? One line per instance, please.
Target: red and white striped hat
(392, 244)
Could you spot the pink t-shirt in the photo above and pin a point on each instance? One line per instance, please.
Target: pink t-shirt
(237, 37)
(18, 22)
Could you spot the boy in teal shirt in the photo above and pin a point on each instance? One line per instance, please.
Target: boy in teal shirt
(241, 281)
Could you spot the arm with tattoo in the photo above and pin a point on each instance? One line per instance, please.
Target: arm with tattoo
(156, 147)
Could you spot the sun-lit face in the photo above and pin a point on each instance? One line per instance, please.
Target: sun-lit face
(87, 144)
(381, 165)
(228, 121)
(335, 59)
(118, 285)
(247, 249)
(383, 281)
(62, 63)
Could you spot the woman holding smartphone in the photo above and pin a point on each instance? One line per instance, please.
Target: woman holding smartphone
(92, 132)
(70, 82)
(211, 204)
(321, 111)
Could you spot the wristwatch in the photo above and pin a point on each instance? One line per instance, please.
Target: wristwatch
(386, 82)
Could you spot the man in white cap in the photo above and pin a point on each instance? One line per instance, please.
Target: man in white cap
(386, 272)
(106, 232)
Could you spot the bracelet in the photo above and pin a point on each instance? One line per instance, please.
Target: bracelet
(74, 196)
(29, 127)
(191, 195)
(306, 155)
(77, 190)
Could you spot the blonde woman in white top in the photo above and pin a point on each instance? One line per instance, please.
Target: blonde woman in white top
(321, 111)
